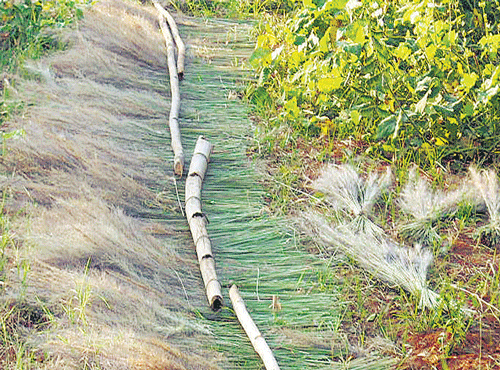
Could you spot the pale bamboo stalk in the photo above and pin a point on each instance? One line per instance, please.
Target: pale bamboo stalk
(253, 333)
(197, 222)
(181, 48)
(173, 119)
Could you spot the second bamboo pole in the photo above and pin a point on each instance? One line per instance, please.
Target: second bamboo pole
(197, 222)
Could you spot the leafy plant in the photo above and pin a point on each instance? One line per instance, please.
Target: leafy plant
(24, 26)
(412, 78)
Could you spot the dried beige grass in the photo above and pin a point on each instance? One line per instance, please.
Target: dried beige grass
(82, 185)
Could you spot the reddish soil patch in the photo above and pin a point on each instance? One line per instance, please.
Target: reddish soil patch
(481, 347)
(478, 352)
(470, 255)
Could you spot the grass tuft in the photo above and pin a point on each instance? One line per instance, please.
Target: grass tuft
(351, 196)
(486, 183)
(425, 208)
(395, 264)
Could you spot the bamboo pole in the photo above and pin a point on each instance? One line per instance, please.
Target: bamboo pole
(181, 48)
(253, 333)
(197, 222)
(173, 119)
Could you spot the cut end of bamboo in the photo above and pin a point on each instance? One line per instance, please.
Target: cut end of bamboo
(179, 166)
(217, 303)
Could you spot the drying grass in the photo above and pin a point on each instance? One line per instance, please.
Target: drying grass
(486, 183)
(111, 274)
(426, 207)
(405, 267)
(83, 190)
(101, 267)
(351, 196)
(283, 286)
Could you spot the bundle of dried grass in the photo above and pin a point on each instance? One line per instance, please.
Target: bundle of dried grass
(393, 263)
(487, 184)
(425, 206)
(353, 196)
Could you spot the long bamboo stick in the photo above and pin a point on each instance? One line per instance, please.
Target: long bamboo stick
(181, 48)
(173, 119)
(197, 222)
(253, 333)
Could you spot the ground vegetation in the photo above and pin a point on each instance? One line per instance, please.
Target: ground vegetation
(409, 86)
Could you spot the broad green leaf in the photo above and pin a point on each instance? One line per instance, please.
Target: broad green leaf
(330, 5)
(295, 59)
(356, 33)
(488, 69)
(354, 49)
(309, 4)
(260, 56)
(386, 127)
(359, 38)
(292, 108)
(402, 52)
(430, 51)
(390, 126)
(380, 47)
(330, 83)
(468, 81)
(420, 106)
(324, 43)
(355, 117)
(468, 110)
(450, 38)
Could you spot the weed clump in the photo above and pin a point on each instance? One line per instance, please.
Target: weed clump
(26, 27)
